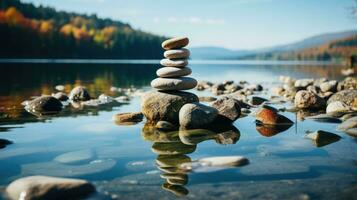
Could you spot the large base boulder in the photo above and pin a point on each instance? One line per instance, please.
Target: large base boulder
(165, 105)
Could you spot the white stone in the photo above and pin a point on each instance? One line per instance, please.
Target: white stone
(174, 63)
(182, 83)
(166, 72)
(177, 53)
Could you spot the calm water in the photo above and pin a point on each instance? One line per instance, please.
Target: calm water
(119, 159)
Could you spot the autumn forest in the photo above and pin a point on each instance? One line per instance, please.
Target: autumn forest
(40, 32)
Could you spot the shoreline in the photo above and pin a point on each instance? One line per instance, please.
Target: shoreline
(154, 61)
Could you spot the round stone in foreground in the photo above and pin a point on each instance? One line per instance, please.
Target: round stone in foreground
(181, 83)
(177, 53)
(166, 72)
(46, 187)
(174, 63)
(175, 43)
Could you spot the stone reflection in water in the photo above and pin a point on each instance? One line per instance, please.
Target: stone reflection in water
(171, 154)
(222, 135)
(271, 130)
(172, 148)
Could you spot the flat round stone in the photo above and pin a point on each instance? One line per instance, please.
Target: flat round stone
(182, 83)
(175, 43)
(177, 53)
(166, 72)
(174, 63)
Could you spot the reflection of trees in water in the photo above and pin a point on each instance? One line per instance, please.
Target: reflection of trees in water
(17, 78)
(41, 79)
(172, 148)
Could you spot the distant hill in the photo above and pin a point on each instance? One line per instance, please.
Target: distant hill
(322, 46)
(339, 48)
(311, 41)
(28, 31)
(211, 52)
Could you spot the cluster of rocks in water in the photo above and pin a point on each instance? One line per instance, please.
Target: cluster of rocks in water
(176, 120)
(79, 97)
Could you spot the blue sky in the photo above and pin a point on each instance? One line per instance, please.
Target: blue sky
(235, 24)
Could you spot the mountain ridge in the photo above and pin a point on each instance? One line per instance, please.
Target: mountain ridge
(207, 52)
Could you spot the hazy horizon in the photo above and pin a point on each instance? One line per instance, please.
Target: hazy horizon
(234, 24)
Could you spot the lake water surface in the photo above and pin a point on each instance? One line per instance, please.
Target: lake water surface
(119, 159)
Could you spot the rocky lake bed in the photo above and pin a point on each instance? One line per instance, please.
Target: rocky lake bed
(238, 132)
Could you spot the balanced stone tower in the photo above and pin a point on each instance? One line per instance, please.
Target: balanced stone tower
(165, 103)
(172, 74)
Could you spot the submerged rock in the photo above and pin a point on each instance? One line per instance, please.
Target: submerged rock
(75, 156)
(165, 106)
(308, 100)
(79, 93)
(65, 170)
(4, 143)
(44, 104)
(348, 124)
(128, 118)
(229, 109)
(47, 188)
(349, 97)
(214, 163)
(322, 138)
(196, 115)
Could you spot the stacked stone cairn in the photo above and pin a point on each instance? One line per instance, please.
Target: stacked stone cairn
(172, 105)
(172, 76)
(165, 103)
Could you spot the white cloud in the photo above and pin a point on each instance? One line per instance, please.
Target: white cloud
(190, 20)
